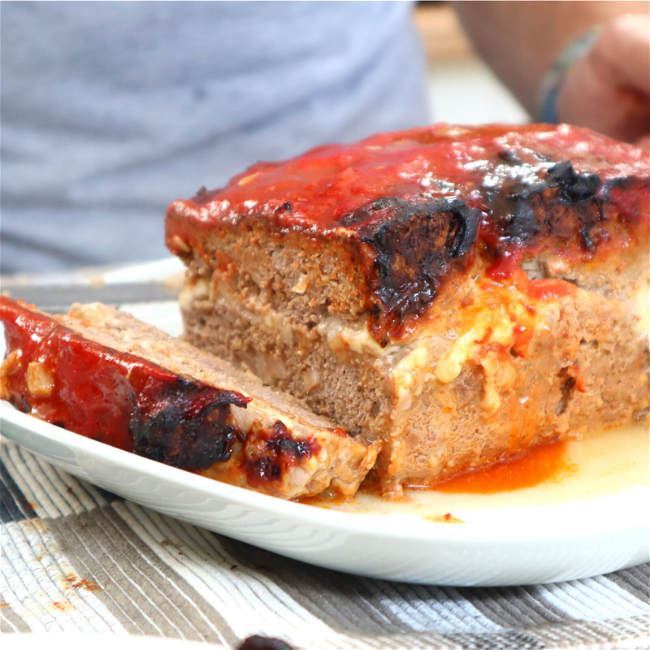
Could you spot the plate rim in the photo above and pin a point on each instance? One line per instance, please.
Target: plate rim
(411, 526)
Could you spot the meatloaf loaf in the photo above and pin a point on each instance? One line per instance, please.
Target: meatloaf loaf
(103, 374)
(458, 294)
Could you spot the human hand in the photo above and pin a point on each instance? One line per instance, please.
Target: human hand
(608, 88)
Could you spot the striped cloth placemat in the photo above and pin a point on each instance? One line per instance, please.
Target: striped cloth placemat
(78, 559)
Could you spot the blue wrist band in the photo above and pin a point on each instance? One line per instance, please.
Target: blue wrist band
(552, 83)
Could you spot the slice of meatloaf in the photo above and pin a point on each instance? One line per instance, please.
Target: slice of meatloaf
(107, 376)
(458, 293)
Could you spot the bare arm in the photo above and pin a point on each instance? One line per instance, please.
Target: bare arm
(607, 89)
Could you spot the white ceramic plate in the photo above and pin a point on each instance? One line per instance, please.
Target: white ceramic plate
(494, 546)
(591, 521)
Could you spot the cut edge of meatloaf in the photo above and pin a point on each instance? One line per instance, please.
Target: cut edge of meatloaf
(102, 373)
(510, 368)
(534, 330)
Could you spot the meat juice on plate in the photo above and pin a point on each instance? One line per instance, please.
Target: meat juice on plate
(603, 463)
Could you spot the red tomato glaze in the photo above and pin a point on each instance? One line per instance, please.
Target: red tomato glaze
(90, 389)
(317, 189)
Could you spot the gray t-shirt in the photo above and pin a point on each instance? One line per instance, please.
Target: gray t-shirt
(111, 110)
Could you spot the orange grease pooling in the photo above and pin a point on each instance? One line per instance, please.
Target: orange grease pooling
(541, 463)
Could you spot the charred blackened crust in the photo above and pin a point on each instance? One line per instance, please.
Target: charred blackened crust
(562, 208)
(573, 187)
(272, 451)
(413, 246)
(185, 424)
(571, 213)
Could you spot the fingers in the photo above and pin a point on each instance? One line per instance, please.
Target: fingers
(623, 51)
(607, 89)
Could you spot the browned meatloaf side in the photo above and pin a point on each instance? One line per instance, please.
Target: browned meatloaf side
(103, 374)
(459, 294)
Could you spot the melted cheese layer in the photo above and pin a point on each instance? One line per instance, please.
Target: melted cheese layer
(494, 318)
